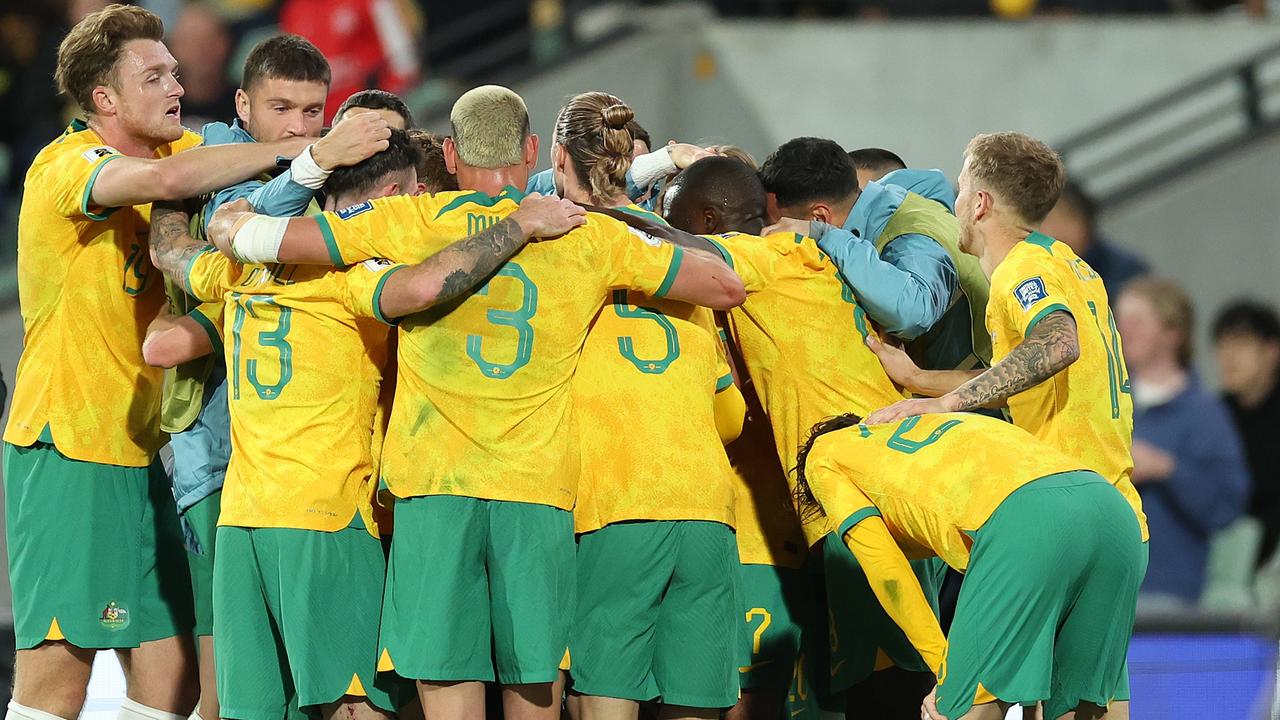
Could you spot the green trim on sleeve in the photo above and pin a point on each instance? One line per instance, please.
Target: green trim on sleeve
(724, 252)
(377, 294)
(88, 191)
(214, 337)
(1043, 313)
(335, 257)
(186, 273)
(677, 257)
(723, 383)
(856, 518)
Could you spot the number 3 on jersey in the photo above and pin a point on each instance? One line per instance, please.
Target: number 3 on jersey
(517, 319)
(261, 307)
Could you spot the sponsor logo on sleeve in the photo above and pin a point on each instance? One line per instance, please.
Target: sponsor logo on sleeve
(1030, 292)
(94, 154)
(645, 236)
(347, 213)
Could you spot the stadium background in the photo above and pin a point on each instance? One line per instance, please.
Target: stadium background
(1166, 111)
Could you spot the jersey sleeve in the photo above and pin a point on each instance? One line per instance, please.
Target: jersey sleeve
(896, 587)
(209, 317)
(390, 227)
(363, 287)
(633, 259)
(844, 504)
(70, 177)
(210, 275)
(1029, 292)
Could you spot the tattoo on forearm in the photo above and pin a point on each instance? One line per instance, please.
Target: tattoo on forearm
(172, 246)
(472, 259)
(1052, 346)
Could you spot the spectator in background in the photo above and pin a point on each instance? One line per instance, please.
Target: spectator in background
(29, 38)
(200, 42)
(369, 43)
(1074, 221)
(1188, 464)
(1247, 338)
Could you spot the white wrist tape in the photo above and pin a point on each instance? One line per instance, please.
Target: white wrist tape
(306, 172)
(652, 167)
(257, 238)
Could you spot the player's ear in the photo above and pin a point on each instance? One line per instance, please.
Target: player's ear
(821, 212)
(242, 105)
(104, 100)
(450, 151)
(531, 150)
(558, 156)
(421, 189)
(982, 204)
(710, 221)
(772, 212)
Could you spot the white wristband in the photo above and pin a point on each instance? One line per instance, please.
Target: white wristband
(306, 172)
(652, 167)
(258, 239)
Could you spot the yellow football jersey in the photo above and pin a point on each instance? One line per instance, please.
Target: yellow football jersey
(768, 528)
(932, 478)
(483, 404)
(305, 350)
(645, 393)
(87, 292)
(1087, 409)
(802, 335)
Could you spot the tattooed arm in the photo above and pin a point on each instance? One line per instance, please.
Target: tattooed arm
(172, 246)
(462, 266)
(1050, 348)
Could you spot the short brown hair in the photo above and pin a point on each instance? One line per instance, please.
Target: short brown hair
(285, 57)
(1173, 306)
(88, 54)
(1019, 168)
(593, 129)
(432, 171)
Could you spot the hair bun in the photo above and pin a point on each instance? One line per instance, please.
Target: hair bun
(616, 117)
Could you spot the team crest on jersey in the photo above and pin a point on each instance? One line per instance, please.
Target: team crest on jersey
(1030, 292)
(347, 213)
(645, 236)
(114, 617)
(94, 154)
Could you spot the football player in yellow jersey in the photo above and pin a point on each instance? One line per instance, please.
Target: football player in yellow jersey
(656, 561)
(795, 296)
(1044, 616)
(1058, 359)
(84, 424)
(481, 450)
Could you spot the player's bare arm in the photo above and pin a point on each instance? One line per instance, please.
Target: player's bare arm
(172, 340)
(172, 246)
(903, 371)
(457, 269)
(672, 235)
(1050, 348)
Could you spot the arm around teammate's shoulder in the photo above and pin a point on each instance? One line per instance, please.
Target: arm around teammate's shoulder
(136, 181)
(704, 279)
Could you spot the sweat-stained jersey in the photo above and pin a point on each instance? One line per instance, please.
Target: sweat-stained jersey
(483, 405)
(802, 335)
(87, 292)
(305, 349)
(1087, 409)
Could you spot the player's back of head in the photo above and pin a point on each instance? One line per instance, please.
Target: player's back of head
(377, 100)
(807, 170)
(433, 174)
(716, 194)
(593, 130)
(1023, 171)
(875, 163)
(88, 54)
(285, 57)
(490, 125)
(389, 172)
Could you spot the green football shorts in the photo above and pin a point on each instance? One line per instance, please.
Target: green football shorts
(477, 585)
(1046, 609)
(203, 520)
(775, 603)
(296, 619)
(658, 612)
(95, 551)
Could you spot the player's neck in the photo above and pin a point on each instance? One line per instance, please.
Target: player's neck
(113, 134)
(997, 243)
(491, 181)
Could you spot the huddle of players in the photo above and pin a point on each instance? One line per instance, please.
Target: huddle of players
(526, 386)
